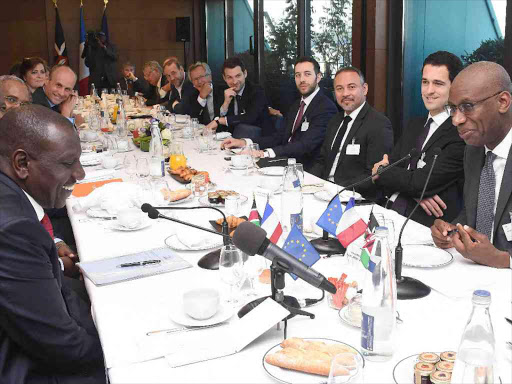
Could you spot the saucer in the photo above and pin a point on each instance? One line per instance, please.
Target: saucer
(179, 316)
(119, 227)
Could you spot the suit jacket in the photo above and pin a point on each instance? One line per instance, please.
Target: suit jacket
(305, 145)
(46, 331)
(196, 110)
(474, 158)
(447, 177)
(372, 131)
(153, 96)
(39, 97)
(102, 62)
(186, 90)
(140, 85)
(253, 109)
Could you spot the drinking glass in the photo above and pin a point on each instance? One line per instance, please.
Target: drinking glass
(253, 267)
(113, 91)
(209, 135)
(346, 367)
(300, 171)
(254, 149)
(130, 165)
(389, 224)
(231, 269)
(159, 191)
(199, 185)
(104, 91)
(142, 167)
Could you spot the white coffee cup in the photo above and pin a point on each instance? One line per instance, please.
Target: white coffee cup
(201, 303)
(240, 160)
(109, 162)
(122, 145)
(232, 204)
(130, 218)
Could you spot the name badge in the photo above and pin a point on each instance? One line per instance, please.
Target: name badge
(507, 229)
(305, 126)
(353, 149)
(421, 162)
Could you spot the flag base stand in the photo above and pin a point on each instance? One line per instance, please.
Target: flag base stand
(328, 246)
(277, 283)
(408, 288)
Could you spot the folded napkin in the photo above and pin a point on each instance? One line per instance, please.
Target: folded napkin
(112, 197)
(195, 238)
(101, 174)
(222, 135)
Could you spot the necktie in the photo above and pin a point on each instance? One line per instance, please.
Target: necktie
(55, 108)
(420, 140)
(486, 197)
(337, 142)
(47, 224)
(238, 104)
(298, 121)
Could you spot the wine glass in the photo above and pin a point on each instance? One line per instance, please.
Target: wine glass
(254, 149)
(346, 367)
(231, 268)
(142, 167)
(130, 165)
(253, 266)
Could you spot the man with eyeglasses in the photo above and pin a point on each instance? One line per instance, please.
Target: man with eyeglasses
(480, 106)
(13, 93)
(153, 75)
(205, 102)
(404, 183)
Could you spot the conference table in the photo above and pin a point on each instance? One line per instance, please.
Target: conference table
(125, 312)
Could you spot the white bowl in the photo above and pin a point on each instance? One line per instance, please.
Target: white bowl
(201, 303)
(241, 160)
(130, 218)
(109, 162)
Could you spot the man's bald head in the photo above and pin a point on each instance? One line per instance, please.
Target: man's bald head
(483, 90)
(40, 151)
(13, 93)
(60, 84)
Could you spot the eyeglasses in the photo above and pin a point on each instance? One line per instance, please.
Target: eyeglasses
(13, 102)
(466, 108)
(200, 77)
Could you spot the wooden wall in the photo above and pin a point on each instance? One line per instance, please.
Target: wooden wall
(142, 30)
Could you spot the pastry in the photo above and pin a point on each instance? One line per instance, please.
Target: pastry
(179, 194)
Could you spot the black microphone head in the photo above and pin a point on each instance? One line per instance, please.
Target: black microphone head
(436, 151)
(146, 207)
(249, 238)
(153, 213)
(414, 152)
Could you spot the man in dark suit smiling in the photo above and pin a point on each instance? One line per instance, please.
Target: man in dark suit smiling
(404, 183)
(356, 137)
(304, 130)
(46, 331)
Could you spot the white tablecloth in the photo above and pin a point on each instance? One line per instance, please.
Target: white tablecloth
(125, 312)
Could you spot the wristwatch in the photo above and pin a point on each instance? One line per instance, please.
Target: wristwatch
(217, 119)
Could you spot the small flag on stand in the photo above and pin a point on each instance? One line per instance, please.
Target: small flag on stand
(300, 248)
(372, 222)
(331, 216)
(254, 216)
(351, 226)
(366, 253)
(83, 71)
(271, 224)
(104, 22)
(61, 53)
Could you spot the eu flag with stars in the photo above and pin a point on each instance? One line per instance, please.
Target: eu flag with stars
(331, 217)
(300, 248)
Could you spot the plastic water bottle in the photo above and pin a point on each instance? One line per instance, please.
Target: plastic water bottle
(379, 302)
(475, 358)
(94, 93)
(157, 162)
(291, 199)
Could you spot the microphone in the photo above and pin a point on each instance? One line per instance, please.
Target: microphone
(326, 245)
(251, 239)
(407, 287)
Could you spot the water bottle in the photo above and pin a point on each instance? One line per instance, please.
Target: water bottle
(475, 358)
(291, 198)
(157, 162)
(379, 302)
(118, 90)
(121, 120)
(94, 92)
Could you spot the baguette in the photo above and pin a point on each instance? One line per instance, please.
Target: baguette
(310, 356)
(179, 194)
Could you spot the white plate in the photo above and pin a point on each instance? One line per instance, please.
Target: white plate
(174, 243)
(179, 316)
(119, 227)
(235, 168)
(311, 189)
(264, 191)
(99, 213)
(403, 373)
(295, 377)
(343, 314)
(90, 162)
(344, 198)
(125, 150)
(272, 171)
(425, 256)
(204, 201)
(185, 200)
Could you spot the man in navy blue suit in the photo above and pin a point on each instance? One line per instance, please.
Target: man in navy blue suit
(46, 331)
(303, 132)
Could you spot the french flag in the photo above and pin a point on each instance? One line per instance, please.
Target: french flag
(271, 224)
(350, 226)
(83, 73)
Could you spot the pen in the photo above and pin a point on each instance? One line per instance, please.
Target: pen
(453, 231)
(139, 264)
(508, 320)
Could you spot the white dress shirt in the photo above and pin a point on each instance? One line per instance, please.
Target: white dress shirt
(353, 116)
(209, 100)
(224, 112)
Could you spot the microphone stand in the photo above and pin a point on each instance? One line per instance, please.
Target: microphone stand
(409, 288)
(210, 260)
(331, 246)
